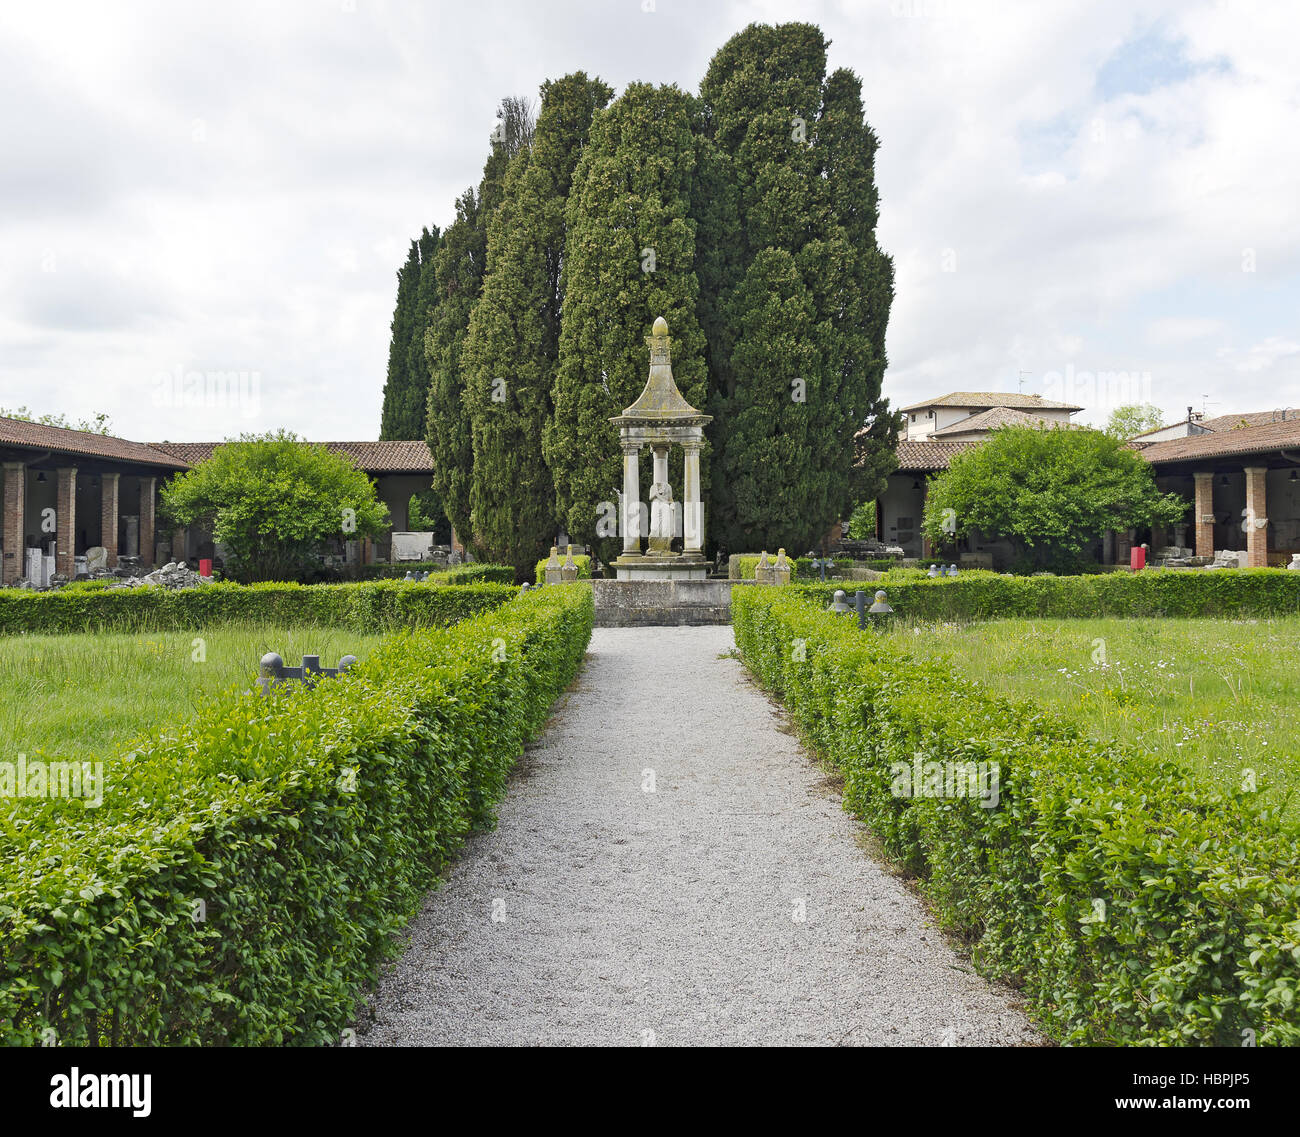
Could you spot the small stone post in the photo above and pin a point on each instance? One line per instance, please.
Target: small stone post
(569, 570)
(553, 571)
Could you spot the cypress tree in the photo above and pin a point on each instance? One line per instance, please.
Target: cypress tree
(512, 347)
(459, 265)
(629, 257)
(797, 337)
(400, 385)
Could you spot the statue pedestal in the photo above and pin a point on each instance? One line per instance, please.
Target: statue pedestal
(651, 566)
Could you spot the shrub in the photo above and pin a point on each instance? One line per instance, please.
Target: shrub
(1132, 904)
(372, 606)
(975, 594)
(580, 559)
(741, 566)
(251, 868)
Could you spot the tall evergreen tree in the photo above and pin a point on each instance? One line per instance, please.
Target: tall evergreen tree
(629, 257)
(401, 384)
(789, 418)
(459, 265)
(512, 347)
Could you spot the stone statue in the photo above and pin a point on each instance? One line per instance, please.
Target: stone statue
(662, 519)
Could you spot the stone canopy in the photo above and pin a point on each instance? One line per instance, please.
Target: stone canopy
(659, 418)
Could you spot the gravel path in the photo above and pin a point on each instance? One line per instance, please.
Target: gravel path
(731, 905)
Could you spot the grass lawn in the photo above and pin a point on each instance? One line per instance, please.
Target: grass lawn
(1221, 697)
(84, 697)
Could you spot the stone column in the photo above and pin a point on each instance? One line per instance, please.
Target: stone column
(1203, 512)
(15, 501)
(147, 486)
(631, 500)
(109, 486)
(65, 522)
(1108, 547)
(1256, 518)
(179, 538)
(692, 505)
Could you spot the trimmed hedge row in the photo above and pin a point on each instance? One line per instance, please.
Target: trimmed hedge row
(248, 871)
(976, 594)
(367, 606)
(741, 566)
(582, 560)
(441, 574)
(1131, 903)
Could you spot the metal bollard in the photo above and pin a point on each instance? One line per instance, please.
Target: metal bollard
(309, 673)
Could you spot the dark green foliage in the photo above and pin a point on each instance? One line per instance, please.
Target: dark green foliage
(512, 347)
(366, 607)
(271, 499)
(1051, 492)
(1194, 941)
(458, 271)
(424, 514)
(407, 390)
(629, 258)
(459, 265)
(308, 825)
(801, 291)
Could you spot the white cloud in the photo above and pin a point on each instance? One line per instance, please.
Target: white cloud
(234, 187)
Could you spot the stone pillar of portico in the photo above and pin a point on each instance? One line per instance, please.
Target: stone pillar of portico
(692, 504)
(147, 486)
(109, 484)
(631, 500)
(15, 501)
(1203, 512)
(1108, 547)
(65, 522)
(1256, 518)
(180, 537)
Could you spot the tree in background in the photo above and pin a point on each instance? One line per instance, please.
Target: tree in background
(1050, 492)
(100, 424)
(862, 523)
(511, 349)
(1133, 419)
(424, 515)
(629, 257)
(271, 500)
(796, 349)
(401, 386)
(406, 394)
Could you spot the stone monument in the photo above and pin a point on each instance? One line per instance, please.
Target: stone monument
(659, 419)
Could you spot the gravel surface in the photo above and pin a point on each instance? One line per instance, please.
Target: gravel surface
(731, 905)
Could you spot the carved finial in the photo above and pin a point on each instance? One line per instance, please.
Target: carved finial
(660, 328)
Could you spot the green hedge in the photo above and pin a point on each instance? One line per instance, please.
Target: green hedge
(308, 826)
(441, 574)
(367, 607)
(978, 595)
(1201, 890)
(580, 559)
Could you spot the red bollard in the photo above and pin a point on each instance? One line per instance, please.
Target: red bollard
(1137, 558)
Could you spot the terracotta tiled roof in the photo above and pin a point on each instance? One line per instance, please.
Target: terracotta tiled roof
(38, 436)
(1248, 440)
(987, 399)
(930, 455)
(995, 417)
(372, 457)
(1249, 418)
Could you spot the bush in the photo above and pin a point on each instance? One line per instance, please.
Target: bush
(1132, 904)
(441, 574)
(979, 595)
(250, 869)
(580, 559)
(367, 607)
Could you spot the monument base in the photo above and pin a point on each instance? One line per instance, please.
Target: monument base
(653, 566)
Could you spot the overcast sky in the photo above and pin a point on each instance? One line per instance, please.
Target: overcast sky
(1068, 188)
